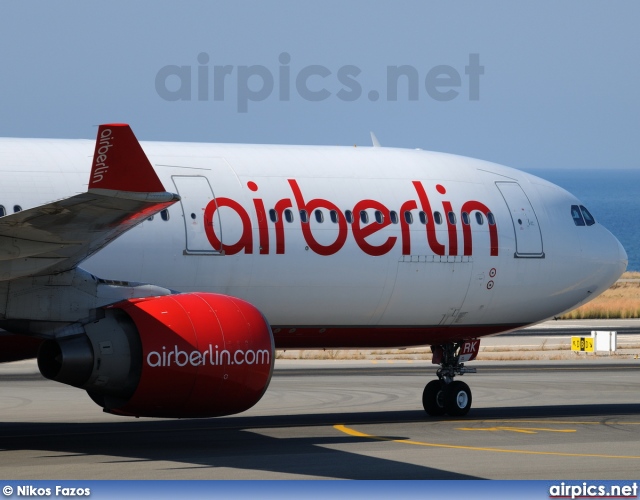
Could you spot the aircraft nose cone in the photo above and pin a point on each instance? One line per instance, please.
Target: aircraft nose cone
(605, 258)
(614, 260)
(623, 259)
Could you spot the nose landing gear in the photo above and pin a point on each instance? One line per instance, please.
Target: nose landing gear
(446, 395)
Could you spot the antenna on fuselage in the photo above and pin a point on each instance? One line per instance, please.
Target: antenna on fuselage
(374, 140)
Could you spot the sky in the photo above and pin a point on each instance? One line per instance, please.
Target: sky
(529, 84)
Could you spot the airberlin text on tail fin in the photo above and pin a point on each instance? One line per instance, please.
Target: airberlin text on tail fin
(120, 164)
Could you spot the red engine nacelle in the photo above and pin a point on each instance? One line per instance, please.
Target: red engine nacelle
(186, 355)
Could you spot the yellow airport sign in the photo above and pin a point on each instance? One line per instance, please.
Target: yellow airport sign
(584, 344)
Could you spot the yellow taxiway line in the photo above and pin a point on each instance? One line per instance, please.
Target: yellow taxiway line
(355, 433)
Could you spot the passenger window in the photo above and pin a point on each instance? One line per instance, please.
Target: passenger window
(319, 216)
(423, 217)
(3, 212)
(465, 218)
(288, 215)
(577, 215)
(393, 215)
(273, 215)
(349, 216)
(379, 217)
(408, 217)
(150, 218)
(491, 219)
(479, 218)
(304, 217)
(334, 216)
(437, 217)
(588, 218)
(364, 216)
(452, 218)
(16, 209)
(164, 215)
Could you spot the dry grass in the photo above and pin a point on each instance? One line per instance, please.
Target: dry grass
(631, 275)
(487, 353)
(622, 300)
(544, 348)
(324, 354)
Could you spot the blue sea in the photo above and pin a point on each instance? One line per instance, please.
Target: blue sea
(612, 196)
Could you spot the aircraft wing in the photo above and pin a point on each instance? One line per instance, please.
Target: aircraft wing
(123, 191)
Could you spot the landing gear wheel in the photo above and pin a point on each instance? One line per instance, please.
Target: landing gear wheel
(433, 398)
(457, 399)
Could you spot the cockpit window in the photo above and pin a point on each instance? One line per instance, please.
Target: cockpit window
(588, 218)
(577, 215)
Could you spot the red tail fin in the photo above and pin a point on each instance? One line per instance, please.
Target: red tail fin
(119, 163)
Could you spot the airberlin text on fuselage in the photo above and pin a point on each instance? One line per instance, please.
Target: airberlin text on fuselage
(105, 142)
(359, 230)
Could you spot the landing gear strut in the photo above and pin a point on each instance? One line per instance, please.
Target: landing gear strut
(446, 395)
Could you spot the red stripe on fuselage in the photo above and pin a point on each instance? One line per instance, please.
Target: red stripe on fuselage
(369, 337)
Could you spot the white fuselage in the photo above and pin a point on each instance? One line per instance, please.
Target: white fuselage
(238, 231)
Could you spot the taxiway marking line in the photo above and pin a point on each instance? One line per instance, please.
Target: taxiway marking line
(355, 433)
(518, 421)
(523, 430)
